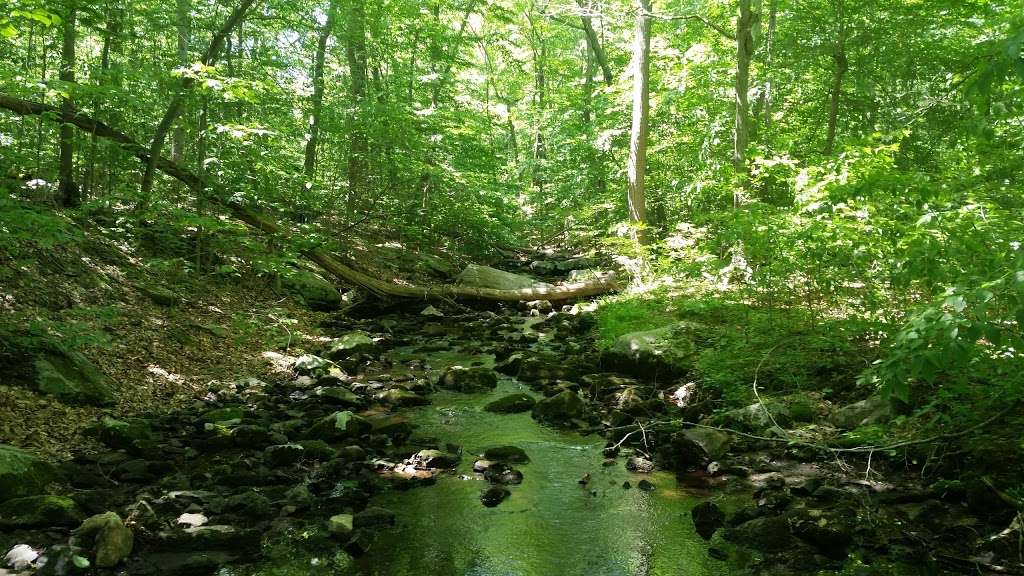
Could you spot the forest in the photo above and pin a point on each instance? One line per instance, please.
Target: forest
(496, 287)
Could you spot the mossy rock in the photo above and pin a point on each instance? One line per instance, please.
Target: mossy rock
(71, 378)
(159, 295)
(666, 352)
(312, 290)
(130, 434)
(22, 474)
(40, 512)
(339, 426)
(462, 379)
(518, 402)
(561, 409)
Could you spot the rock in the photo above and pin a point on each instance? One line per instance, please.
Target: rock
(238, 542)
(339, 426)
(317, 450)
(283, 454)
(481, 466)
(339, 396)
(584, 480)
(22, 474)
(435, 459)
(873, 410)
(40, 512)
(312, 290)
(20, 557)
(374, 517)
(192, 519)
(71, 378)
(695, 448)
(638, 464)
(645, 485)
(351, 344)
(829, 535)
(518, 402)
(475, 379)
(755, 417)
(402, 397)
(765, 534)
(251, 436)
(159, 295)
(665, 352)
(560, 409)
(431, 311)
(250, 504)
(494, 495)
(500, 473)
(352, 453)
(108, 537)
(131, 434)
(308, 364)
(340, 525)
(390, 424)
(707, 518)
(487, 277)
(223, 415)
(509, 454)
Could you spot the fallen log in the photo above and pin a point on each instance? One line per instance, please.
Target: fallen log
(264, 223)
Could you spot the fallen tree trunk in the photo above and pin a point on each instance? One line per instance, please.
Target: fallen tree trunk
(266, 224)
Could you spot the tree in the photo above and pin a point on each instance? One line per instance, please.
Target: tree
(839, 70)
(358, 152)
(745, 23)
(183, 27)
(637, 167)
(317, 99)
(69, 191)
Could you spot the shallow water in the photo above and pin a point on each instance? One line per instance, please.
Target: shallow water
(551, 525)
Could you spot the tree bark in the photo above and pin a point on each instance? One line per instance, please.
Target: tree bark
(841, 67)
(744, 54)
(316, 104)
(594, 43)
(177, 105)
(765, 104)
(70, 193)
(260, 221)
(637, 168)
(355, 38)
(184, 32)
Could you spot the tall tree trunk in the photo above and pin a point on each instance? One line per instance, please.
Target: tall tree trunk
(177, 105)
(316, 104)
(355, 40)
(68, 189)
(745, 22)
(593, 42)
(636, 198)
(184, 30)
(765, 103)
(840, 69)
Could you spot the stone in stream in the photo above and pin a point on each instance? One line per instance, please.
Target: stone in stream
(494, 495)
(339, 426)
(434, 459)
(107, 536)
(22, 474)
(339, 396)
(518, 402)
(462, 379)
(487, 277)
(509, 454)
(707, 518)
(284, 454)
(561, 408)
(695, 448)
(402, 397)
(374, 517)
(340, 525)
(352, 344)
(645, 485)
(499, 473)
(223, 415)
(638, 464)
(765, 534)
(40, 512)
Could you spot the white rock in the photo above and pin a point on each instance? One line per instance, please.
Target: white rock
(20, 557)
(193, 520)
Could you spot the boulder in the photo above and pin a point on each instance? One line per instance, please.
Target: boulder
(22, 474)
(510, 454)
(159, 295)
(352, 344)
(312, 290)
(665, 352)
(696, 447)
(475, 379)
(131, 434)
(638, 464)
(766, 534)
(487, 277)
(435, 459)
(284, 454)
(707, 518)
(107, 536)
(339, 426)
(374, 517)
(873, 410)
(339, 396)
(501, 473)
(223, 415)
(494, 495)
(340, 525)
(309, 364)
(40, 512)
(755, 417)
(562, 408)
(402, 397)
(71, 378)
(518, 402)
